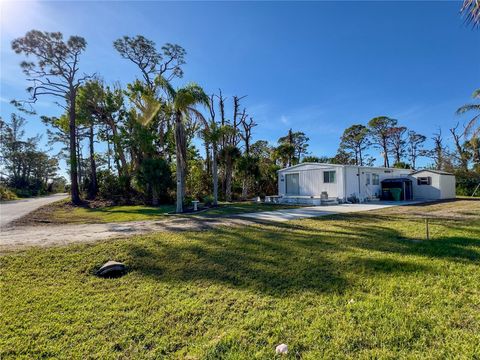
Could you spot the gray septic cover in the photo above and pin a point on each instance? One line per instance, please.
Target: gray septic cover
(112, 269)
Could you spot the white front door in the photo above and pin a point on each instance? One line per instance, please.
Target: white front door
(292, 184)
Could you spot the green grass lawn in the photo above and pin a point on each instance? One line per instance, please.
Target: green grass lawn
(110, 214)
(63, 213)
(353, 286)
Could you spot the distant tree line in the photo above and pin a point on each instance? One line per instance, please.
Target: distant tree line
(25, 168)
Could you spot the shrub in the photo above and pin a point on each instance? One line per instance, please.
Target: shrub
(112, 187)
(208, 200)
(154, 179)
(467, 182)
(6, 194)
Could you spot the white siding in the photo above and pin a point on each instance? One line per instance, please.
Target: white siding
(442, 186)
(447, 185)
(352, 188)
(352, 181)
(363, 191)
(311, 180)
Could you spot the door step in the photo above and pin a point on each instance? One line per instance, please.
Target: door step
(327, 202)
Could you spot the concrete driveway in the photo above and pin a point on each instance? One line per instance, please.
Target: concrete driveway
(12, 210)
(314, 211)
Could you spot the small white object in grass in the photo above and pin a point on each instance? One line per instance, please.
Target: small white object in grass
(281, 349)
(351, 301)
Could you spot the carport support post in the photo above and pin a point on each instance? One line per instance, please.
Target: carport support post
(426, 229)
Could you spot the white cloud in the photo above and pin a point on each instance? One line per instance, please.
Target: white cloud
(284, 119)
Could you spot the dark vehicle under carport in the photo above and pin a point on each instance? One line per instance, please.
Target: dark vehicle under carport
(404, 186)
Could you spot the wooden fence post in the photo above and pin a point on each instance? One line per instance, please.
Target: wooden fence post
(427, 230)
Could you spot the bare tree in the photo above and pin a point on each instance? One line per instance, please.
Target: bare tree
(438, 151)
(248, 164)
(462, 154)
(414, 147)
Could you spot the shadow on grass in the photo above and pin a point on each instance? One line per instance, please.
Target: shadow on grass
(262, 262)
(286, 258)
(371, 233)
(134, 210)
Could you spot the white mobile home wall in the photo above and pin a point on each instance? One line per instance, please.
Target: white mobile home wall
(351, 181)
(357, 184)
(442, 186)
(311, 182)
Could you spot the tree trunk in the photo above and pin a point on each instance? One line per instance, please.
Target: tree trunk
(154, 196)
(75, 194)
(244, 188)
(228, 178)
(79, 161)
(398, 157)
(93, 166)
(385, 154)
(208, 161)
(109, 164)
(215, 174)
(181, 158)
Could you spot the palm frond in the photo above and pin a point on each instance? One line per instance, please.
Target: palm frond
(198, 115)
(189, 96)
(165, 85)
(471, 12)
(466, 108)
(476, 94)
(471, 126)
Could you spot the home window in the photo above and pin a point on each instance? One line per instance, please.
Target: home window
(329, 177)
(367, 182)
(375, 179)
(427, 180)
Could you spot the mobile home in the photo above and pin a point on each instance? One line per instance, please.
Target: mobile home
(317, 183)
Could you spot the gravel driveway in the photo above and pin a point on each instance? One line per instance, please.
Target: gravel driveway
(12, 210)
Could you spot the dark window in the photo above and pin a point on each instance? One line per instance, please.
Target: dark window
(427, 180)
(329, 176)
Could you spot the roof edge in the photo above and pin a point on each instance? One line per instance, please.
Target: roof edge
(438, 172)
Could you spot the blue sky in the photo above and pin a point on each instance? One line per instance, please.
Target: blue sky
(317, 67)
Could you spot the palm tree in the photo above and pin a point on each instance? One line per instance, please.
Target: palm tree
(182, 104)
(471, 10)
(472, 126)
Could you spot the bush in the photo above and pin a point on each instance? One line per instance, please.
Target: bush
(112, 187)
(154, 180)
(208, 200)
(6, 194)
(467, 182)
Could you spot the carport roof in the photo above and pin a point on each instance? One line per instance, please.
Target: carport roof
(393, 180)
